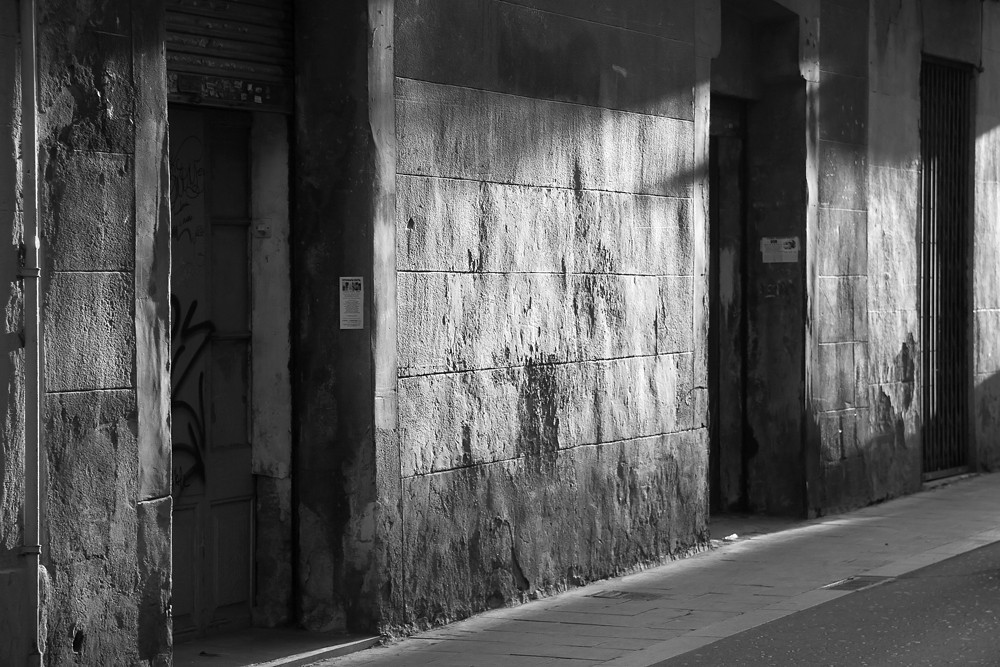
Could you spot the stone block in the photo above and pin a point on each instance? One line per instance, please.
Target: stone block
(843, 46)
(842, 243)
(460, 419)
(89, 224)
(675, 20)
(523, 51)
(470, 321)
(986, 267)
(843, 108)
(481, 537)
(988, 148)
(987, 88)
(894, 132)
(154, 559)
(896, 47)
(987, 342)
(836, 378)
(86, 85)
(893, 230)
(461, 225)
(91, 490)
(89, 332)
(11, 441)
(833, 437)
(987, 420)
(843, 309)
(10, 105)
(478, 135)
(843, 176)
(110, 16)
(893, 351)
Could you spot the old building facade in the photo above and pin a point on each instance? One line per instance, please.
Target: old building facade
(373, 315)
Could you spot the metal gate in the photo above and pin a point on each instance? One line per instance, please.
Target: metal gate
(230, 53)
(946, 144)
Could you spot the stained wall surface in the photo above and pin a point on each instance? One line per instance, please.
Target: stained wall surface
(867, 399)
(106, 525)
(986, 280)
(546, 180)
(840, 398)
(14, 644)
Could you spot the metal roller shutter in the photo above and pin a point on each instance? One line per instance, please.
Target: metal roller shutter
(230, 53)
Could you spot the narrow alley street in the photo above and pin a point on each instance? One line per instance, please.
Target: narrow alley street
(698, 609)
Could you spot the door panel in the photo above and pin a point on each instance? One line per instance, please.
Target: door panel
(213, 484)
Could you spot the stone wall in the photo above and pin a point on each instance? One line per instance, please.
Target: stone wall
(105, 300)
(986, 271)
(546, 240)
(868, 398)
(14, 636)
(840, 398)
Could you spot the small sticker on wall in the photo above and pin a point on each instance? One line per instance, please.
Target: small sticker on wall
(778, 250)
(352, 303)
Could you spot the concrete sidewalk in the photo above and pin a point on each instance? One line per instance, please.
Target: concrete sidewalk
(647, 617)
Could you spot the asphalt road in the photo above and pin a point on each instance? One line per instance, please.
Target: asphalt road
(945, 614)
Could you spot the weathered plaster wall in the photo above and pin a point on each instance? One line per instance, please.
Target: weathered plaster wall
(839, 400)
(551, 429)
(104, 225)
(986, 271)
(14, 617)
(346, 461)
(271, 419)
(881, 457)
(868, 399)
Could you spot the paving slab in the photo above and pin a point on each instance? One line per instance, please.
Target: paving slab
(772, 569)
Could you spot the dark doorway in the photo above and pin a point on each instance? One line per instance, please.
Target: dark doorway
(210, 374)
(727, 369)
(946, 147)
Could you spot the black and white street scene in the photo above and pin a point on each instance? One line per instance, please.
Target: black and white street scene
(489, 333)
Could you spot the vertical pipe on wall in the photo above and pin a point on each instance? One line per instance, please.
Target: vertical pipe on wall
(30, 273)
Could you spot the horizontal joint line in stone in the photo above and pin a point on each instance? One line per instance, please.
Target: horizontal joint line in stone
(842, 210)
(533, 186)
(116, 272)
(842, 342)
(547, 273)
(87, 391)
(85, 151)
(606, 25)
(843, 275)
(546, 363)
(443, 471)
(850, 76)
(539, 99)
(843, 411)
(844, 143)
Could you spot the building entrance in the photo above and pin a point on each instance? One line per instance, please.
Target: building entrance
(213, 487)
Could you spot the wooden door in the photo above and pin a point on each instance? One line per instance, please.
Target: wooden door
(210, 372)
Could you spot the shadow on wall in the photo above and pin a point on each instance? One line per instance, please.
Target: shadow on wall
(986, 423)
(876, 458)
